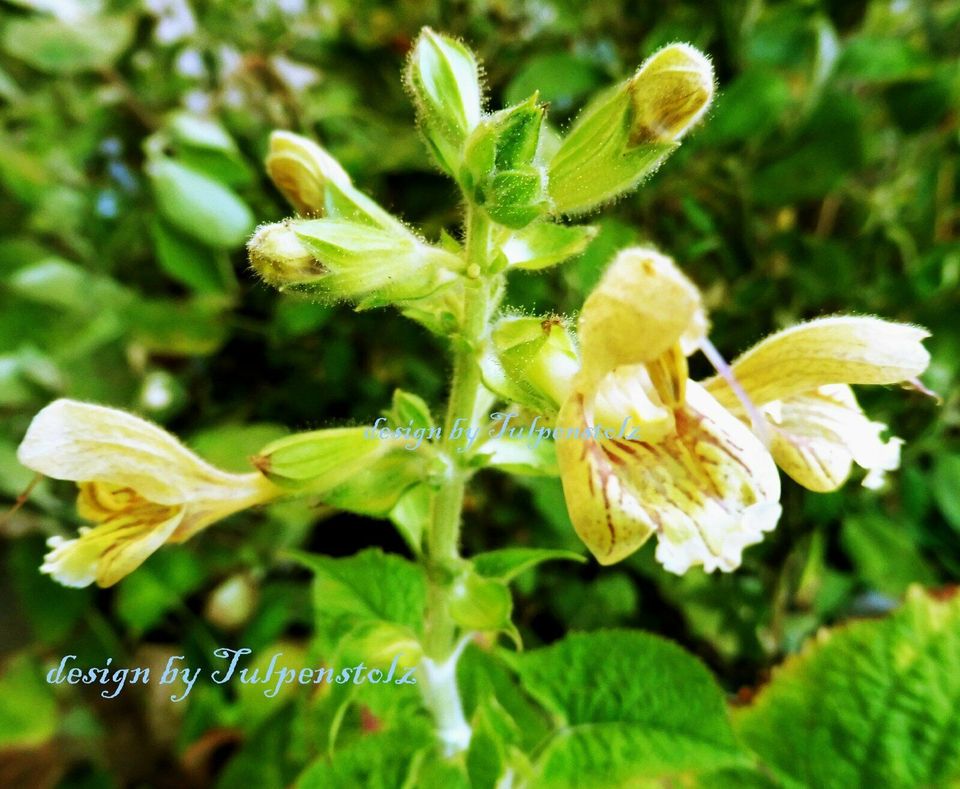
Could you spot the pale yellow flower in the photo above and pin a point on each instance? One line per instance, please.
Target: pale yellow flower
(137, 482)
(798, 379)
(685, 469)
(689, 469)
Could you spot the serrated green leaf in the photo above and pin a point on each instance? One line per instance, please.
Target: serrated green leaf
(628, 704)
(872, 703)
(368, 586)
(381, 760)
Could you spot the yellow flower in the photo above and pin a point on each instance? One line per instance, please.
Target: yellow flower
(681, 466)
(798, 378)
(679, 460)
(137, 482)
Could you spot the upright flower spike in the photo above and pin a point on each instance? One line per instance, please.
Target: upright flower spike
(138, 484)
(443, 78)
(648, 451)
(798, 378)
(630, 130)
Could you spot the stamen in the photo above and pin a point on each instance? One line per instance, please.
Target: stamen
(757, 420)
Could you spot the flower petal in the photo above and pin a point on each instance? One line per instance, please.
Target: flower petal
(81, 442)
(842, 350)
(707, 491)
(606, 516)
(115, 548)
(641, 307)
(712, 489)
(818, 435)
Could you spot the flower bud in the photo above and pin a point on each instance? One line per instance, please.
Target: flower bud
(478, 603)
(642, 306)
(340, 259)
(630, 130)
(321, 460)
(316, 185)
(443, 79)
(531, 361)
(301, 169)
(501, 172)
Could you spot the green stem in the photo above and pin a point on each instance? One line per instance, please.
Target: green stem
(443, 538)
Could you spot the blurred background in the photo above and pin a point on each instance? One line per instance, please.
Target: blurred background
(824, 180)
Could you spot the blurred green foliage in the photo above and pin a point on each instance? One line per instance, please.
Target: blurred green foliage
(825, 179)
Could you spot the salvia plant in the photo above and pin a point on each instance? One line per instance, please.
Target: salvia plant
(604, 402)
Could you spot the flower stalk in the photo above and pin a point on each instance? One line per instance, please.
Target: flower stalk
(443, 537)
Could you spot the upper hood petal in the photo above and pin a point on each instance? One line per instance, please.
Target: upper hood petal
(841, 350)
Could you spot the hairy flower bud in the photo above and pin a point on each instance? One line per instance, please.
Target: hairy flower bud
(316, 185)
(630, 130)
(340, 259)
(501, 172)
(444, 80)
(531, 361)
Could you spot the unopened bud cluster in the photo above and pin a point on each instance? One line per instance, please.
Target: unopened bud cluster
(509, 165)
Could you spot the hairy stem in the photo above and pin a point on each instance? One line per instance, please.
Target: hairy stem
(443, 538)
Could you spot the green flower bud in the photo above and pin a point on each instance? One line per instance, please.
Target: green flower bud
(630, 130)
(531, 361)
(501, 170)
(444, 81)
(376, 489)
(478, 603)
(321, 460)
(340, 259)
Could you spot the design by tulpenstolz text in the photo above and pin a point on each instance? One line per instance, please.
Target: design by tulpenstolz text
(272, 678)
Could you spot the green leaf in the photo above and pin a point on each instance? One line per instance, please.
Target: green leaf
(367, 587)
(884, 553)
(187, 261)
(409, 410)
(60, 283)
(411, 514)
(28, 715)
(945, 485)
(67, 46)
(546, 244)
(872, 703)
(628, 705)
(199, 206)
(374, 761)
(507, 563)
